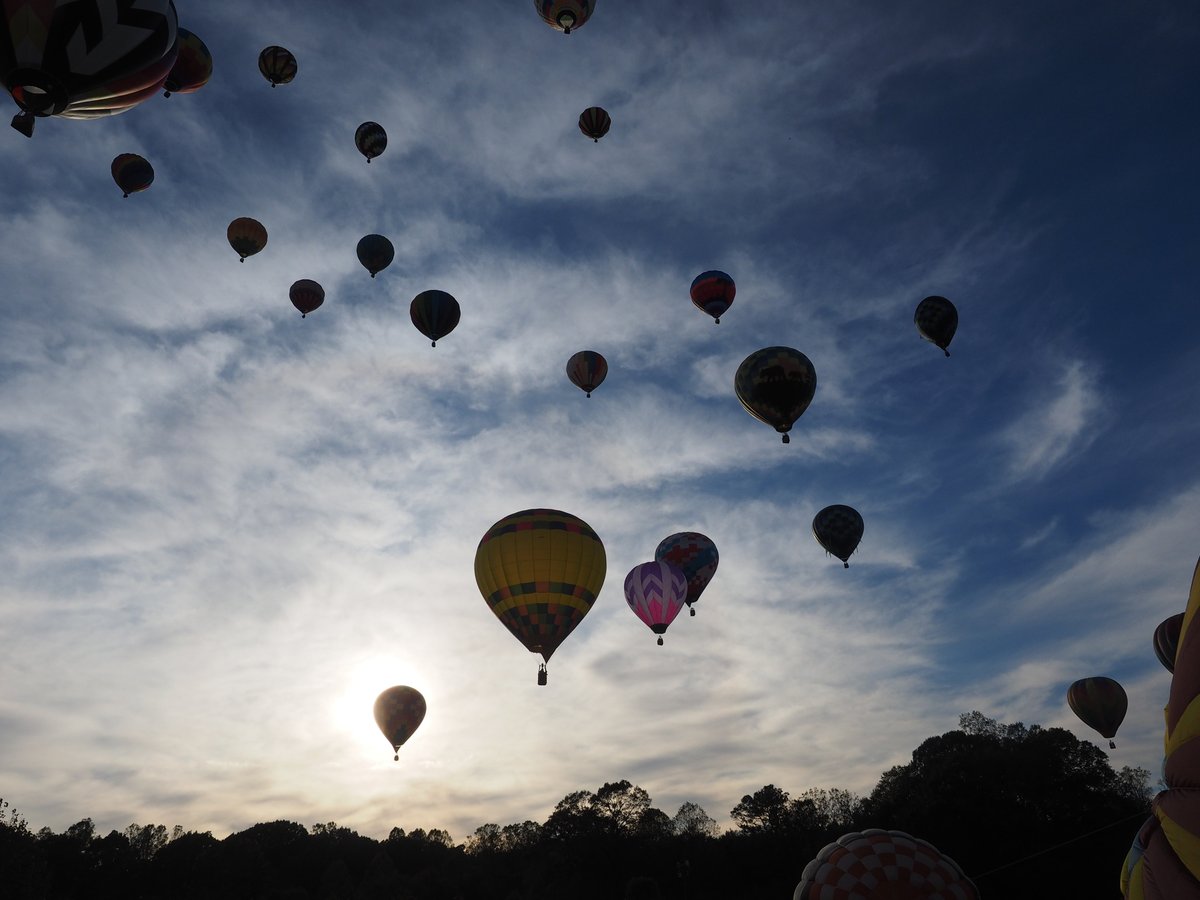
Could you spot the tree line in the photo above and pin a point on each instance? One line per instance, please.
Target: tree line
(1026, 811)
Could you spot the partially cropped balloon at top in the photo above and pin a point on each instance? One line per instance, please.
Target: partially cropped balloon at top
(1100, 703)
(370, 139)
(696, 555)
(193, 66)
(84, 59)
(540, 571)
(435, 314)
(883, 865)
(277, 65)
(587, 369)
(594, 122)
(936, 319)
(132, 173)
(713, 292)
(399, 711)
(776, 385)
(246, 236)
(564, 15)
(838, 528)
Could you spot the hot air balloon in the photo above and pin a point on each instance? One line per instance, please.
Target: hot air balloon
(1164, 861)
(540, 571)
(838, 529)
(84, 59)
(246, 236)
(883, 865)
(306, 296)
(937, 320)
(1166, 640)
(193, 66)
(277, 65)
(1100, 704)
(564, 15)
(594, 122)
(370, 139)
(376, 253)
(696, 555)
(713, 292)
(132, 173)
(587, 369)
(398, 713)
(656, 592)
(435, 313)
(776, 384)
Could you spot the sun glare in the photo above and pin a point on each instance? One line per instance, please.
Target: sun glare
(353, 707)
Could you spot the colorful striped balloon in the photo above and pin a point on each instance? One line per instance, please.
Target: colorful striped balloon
(132, 173)
(713, 292)
(587, 370)
(563, 15)
(1166, 640)
(776, 385)
(594, 122)
(277, 65)
(246, 236)
(656, 592)
(193, 66)
(306, 295)
(1100, 703)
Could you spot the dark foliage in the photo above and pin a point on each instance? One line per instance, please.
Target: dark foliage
(1022, 809)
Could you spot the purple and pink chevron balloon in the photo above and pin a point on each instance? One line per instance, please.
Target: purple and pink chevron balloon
(656, 592)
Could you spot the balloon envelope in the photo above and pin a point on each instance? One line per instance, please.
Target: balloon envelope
(306, 295)
(84, 59)
(713, 292)
(883, 865)
(776, 385)
(1100, 704)
(434, 313)
(595, 122)
(696, 555)
(1166, 640)
(838, 529)
(587, 369)
(246, 236)
(398, 712)
(370, 139)
(564, 15)
(132, 173)
(656, 591)
(540, 571)
(193, 66)
(277, 65)
(375, 252)
(937, 319)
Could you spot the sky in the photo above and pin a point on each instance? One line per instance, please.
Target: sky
(226, 528)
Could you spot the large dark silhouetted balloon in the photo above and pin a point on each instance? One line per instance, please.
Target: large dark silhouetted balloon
(838, 529)
(594, 122)
(398, 712)
(713, 292)
(370, 139)
(937, 320)
(656, 592)
(540, 571)
(132, 173)
(84, 59)
(1166, 640)
(883, 865)
(277, 65)
(696, 555)
(587, 369)
(1100, 704)
(564, 15)
(434, 313)
(306, 295)
(246, 236)
(193, 66)
(375, 252)
(776, 384)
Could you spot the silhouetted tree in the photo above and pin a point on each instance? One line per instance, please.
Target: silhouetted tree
(692, 820)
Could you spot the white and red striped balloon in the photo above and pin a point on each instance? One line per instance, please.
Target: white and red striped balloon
(656, 591)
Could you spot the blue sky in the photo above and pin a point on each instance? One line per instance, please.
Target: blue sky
(226, 529)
